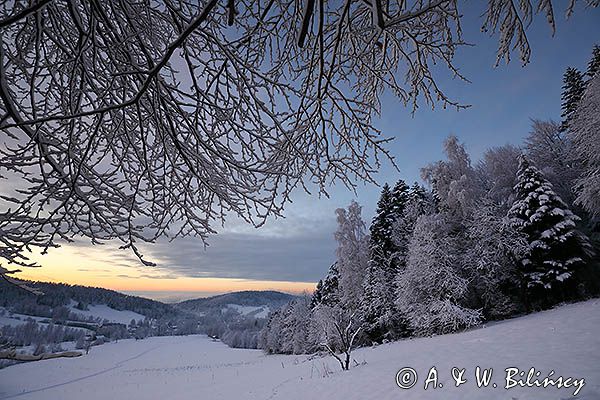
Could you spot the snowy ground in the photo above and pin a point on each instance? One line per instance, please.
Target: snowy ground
(566, 340)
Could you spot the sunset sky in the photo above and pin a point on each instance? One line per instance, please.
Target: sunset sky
(291, 254)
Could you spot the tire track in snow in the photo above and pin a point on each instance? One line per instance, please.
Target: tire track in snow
(81, 378)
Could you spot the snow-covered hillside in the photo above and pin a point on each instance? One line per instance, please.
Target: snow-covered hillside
(104, 312)
(253, 311)
(565, 340)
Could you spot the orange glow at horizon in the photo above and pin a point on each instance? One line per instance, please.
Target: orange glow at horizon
(94, 266)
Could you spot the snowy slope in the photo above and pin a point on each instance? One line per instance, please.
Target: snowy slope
(566, 340)
(254, 311)
(103, 312)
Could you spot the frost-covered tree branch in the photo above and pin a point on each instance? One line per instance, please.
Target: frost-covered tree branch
(145, 119)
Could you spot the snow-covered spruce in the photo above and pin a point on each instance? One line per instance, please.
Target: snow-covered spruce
(555, 247)
(387, 250)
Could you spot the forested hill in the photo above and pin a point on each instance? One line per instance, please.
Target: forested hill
(61, 294)
(271, 299)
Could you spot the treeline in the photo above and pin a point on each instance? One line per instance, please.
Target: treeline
(32, 333)
(514, 233)
(60, 294)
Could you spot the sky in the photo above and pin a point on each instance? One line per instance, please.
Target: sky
(292, 253)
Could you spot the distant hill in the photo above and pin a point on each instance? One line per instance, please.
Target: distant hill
(235, 318)
(244, 300)
(81, 300)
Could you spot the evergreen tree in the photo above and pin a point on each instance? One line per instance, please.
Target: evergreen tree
(400, 200)
(417, 203)
(377, 308)
(555, 247)
(327, 290)
(573, 89)
(375, 301)
(380, 244)
(317, 296)
(594, 64)
(400, 196)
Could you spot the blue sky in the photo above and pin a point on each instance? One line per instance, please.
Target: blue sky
(503, 100)
(300, 247)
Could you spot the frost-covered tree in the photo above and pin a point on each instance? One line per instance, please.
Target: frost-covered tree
(400, 196)
(270, 336)
(573, 88)
(431, 291)
(493, 249)
(390, 209)
(132, 120)
(556, 249)
(549, 148)
(376, 303)
(585, 134)
(497, 171)
(378, 312)
(454, 181)
(293, 333)
(418, 203)
(352, 254)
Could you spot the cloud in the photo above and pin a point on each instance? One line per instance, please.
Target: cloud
(125, 276)
(303, 258)
(299, 248)
(93, 270)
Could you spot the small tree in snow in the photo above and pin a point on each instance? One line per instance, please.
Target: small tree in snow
(339, 329)
(555, 247)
